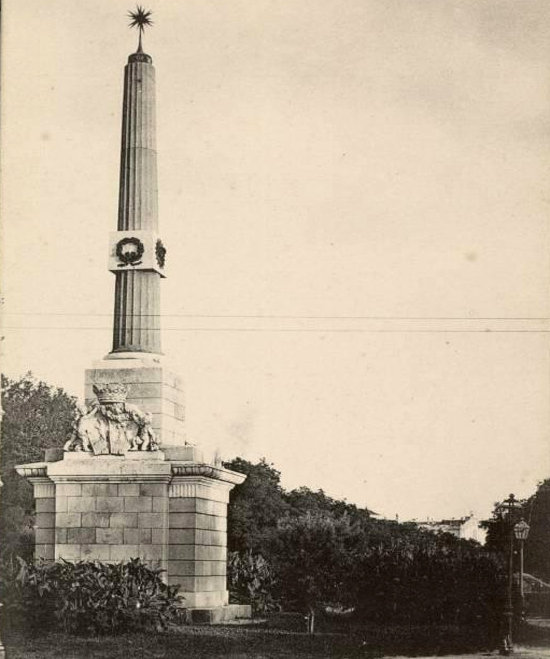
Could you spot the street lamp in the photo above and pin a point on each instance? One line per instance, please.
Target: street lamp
(507, 646)
(521, 531)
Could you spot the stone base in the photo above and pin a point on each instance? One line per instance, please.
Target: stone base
(218, 614)
(161, 507)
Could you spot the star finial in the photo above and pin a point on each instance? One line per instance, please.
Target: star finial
(140, 19)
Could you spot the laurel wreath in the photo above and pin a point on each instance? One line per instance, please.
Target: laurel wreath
(129, 258)
(160, 251)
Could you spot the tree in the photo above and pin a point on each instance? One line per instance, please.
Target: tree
(499, 526)
(255, 506)
(536, 512)
(537, 545)
(303, 500)
(36, 416)
(313, 560)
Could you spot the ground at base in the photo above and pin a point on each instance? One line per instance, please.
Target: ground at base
(254, 641)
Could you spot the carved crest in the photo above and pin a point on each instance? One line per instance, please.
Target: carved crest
(111, 426)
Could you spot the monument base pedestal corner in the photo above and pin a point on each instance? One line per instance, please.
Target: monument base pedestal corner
(218, 614)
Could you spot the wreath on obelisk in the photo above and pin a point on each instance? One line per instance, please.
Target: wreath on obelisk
(129, 251)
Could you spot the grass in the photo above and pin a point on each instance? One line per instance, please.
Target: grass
(247, 642)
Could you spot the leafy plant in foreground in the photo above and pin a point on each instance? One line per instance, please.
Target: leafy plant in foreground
(250, 581)
(92, 597)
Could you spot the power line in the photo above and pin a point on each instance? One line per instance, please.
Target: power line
(281, 317)
(296, 329)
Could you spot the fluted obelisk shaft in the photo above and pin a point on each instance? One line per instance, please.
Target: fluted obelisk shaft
(137, 291)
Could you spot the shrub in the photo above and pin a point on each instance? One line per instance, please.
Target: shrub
(420, 578)
(250, 581)
(314, 558)
(90, 597)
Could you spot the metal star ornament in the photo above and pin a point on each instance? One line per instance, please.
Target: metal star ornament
(140, 19)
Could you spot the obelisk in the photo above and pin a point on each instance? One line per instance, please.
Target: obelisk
(137, 258)
(137, 288)
(126, 485)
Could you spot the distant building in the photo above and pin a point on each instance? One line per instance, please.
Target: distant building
(466, 528)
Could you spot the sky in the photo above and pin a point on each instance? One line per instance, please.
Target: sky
(354, 197)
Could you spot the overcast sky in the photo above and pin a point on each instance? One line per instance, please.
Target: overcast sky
(354, 197)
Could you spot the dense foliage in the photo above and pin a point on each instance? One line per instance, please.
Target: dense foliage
(386, 572)
(250, 581)
(536, 512)
(314, 557)
(321, 552)
(257, 506)
(419, 577)
(35, 417)
(89, 597)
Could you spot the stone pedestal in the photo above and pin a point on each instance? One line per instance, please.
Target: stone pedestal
(153, 388)
(165, 507)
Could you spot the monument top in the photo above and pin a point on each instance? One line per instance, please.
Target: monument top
(141, 19)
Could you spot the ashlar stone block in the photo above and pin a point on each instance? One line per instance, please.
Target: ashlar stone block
(81, 504)
(96, 520)
(153, 552)
(128, 490)
(68, 552)
(95, 552)
(99, 490)
(197, 521)
(68, 490)
(159, 536)
(198, 568)
(81, 535)
(124, 520)
(151, 520)
(153, 490)
(124, 552)
(137, 536)
(45, 536)
(203, 584)
(109, 536)
(68, 519)
(61, 504)
(109, 504)
(46, 505)
(160, 504)
(45, 520)
(141, 504)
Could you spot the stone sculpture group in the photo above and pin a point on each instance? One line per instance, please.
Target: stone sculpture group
(111, 426)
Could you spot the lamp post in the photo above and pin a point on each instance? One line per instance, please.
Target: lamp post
(521, 531)
(507, 646)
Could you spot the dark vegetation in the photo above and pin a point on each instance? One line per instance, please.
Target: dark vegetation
(88, 597)
(36, 417)
(317, 552)
(364, 583)
(535, 510)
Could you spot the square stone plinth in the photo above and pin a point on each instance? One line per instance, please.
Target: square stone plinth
(152, 388)
(109, 508)
(171, 513)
